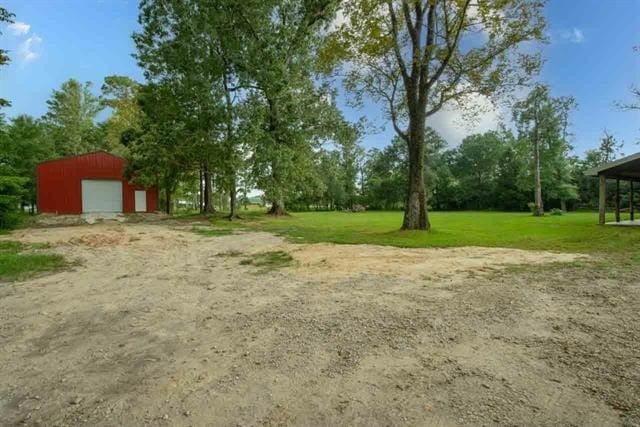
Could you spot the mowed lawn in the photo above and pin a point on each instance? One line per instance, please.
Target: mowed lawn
(572, 232)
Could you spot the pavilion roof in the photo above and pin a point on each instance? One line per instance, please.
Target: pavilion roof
(627, 168)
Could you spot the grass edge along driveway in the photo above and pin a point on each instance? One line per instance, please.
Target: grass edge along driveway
(572, 232)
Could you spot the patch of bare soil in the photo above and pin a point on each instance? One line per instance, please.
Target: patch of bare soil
(342, 261)
(159, 326)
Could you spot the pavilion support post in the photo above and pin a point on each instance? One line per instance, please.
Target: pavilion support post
(632, 212)
(602, 200)
(617, 200)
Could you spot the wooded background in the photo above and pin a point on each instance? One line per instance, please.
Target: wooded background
(239, 100)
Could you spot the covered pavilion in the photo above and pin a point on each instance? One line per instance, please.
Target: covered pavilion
(625, 169)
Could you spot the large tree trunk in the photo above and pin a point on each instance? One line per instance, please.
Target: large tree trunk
(415, 208)
(277, 202)
(539, 208)
(201, 193)
(277, 205)
(167, 202)
(229, 122)
(208, 191)
(563, 205)
(277, 208)
(233, 200)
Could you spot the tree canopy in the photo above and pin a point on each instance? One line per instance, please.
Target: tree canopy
(5, 16)
(244, 97)
(414, 57)
(71, 115)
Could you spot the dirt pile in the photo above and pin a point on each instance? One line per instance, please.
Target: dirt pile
(98, 240)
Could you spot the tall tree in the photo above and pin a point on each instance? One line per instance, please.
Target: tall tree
(253, 55)
(608, 150)
(25, 145)
(190, 44)
(160, 153)
(72, 111)
(279, 40)
(542, 121)
(11, 184)
(414, 56)
(284, 145)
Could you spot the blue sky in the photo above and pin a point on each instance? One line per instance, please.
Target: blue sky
(590, 56)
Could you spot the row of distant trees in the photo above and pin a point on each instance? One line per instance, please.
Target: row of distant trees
(489, 171)
(494, 170)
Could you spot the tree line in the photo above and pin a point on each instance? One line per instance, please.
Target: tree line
(242, 95)
(494, 170)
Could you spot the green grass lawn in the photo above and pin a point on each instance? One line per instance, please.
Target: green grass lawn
(19, 261)
(573, 232)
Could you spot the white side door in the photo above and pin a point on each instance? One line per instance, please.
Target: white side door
(101, 196)
(141, 201)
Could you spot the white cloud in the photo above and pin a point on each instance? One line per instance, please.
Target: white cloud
(29, 50)
(19, 28)
(573, 35)
(577, 36)
(454, 124)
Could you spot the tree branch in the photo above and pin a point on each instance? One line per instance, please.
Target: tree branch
(396, 43)
(393, 113)
(450, 50)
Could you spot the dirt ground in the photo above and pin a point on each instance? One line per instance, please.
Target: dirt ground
(155, 325)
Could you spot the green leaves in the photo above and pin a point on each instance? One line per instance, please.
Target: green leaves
(5, 16)
(72, 111)
(121, 95)
(11, 189)
(544, 121)
(27, 142)
(414, 57)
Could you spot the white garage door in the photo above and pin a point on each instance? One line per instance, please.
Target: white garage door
(101, 196)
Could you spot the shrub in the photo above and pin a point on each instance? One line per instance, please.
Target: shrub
(556, 211)
(11, 189)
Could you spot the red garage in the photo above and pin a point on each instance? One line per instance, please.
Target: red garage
(92, 182)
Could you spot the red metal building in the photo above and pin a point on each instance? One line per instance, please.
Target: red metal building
(92, 182)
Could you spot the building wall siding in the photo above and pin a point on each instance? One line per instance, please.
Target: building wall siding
(59, 187)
